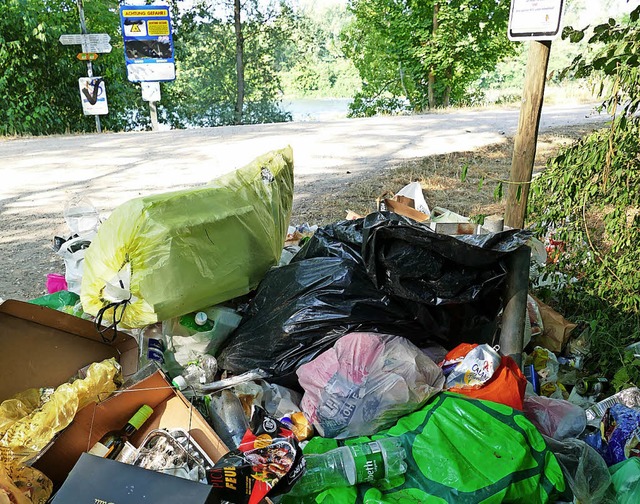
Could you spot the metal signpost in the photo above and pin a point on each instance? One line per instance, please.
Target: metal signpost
(148, 49)
(93, 93)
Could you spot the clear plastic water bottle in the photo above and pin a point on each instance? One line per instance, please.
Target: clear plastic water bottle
(151, 344)
(350, 465)
(197, 373)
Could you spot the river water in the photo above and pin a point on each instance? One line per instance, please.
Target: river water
(317, 109)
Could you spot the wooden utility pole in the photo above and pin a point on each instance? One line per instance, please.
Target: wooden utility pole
(524, 148)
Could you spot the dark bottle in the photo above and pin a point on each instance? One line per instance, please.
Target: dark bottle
(111, 444)
(591, 386)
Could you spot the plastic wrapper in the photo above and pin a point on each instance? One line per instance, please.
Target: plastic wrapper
(555, 418)
(465, 450)
(267, 463)
(170, 254)
(29, 421)
(585, 472)
(625, 477)
(619, 435)
(629, 397)
(475, 369)
(24, 485)
(365, 383)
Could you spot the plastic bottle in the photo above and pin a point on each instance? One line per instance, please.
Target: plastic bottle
(151, 345)
(350, 465)
(198, 322)
(197, 373)
(227, 417)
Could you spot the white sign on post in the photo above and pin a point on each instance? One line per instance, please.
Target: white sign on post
(93, 94)
(150, 91)
(535, 19)
(90, 42)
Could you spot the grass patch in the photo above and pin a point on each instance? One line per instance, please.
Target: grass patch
(440, 179)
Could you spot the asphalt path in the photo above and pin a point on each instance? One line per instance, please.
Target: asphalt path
(40, 174)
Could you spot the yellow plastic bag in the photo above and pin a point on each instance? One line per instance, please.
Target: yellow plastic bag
(29, 421)
(161, 256)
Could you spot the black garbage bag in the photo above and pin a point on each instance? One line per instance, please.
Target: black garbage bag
(452, 285)
(301, 309)
(342, 239)
(383, 273)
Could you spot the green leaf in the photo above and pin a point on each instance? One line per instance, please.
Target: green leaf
(463, 174)
(497, 193)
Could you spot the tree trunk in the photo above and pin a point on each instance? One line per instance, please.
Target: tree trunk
(239, 61)
(446, 98)
(432, 75)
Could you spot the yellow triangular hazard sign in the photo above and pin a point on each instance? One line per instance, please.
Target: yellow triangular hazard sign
(135, 28)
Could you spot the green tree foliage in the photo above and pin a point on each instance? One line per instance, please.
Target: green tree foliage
(39, 76)
(311, 62)
(406, 49)
(589, 198)
(205, 91)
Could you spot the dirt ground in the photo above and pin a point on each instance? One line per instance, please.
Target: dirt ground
(340, 165)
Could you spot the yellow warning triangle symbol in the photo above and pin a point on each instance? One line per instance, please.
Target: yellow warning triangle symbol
(135, 28)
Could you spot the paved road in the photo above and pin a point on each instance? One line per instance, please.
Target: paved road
(40, 174)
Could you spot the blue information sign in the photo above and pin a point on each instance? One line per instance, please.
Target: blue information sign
(148, 42)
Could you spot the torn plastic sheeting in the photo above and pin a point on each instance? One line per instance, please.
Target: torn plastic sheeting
(173, 253)
(301, 309)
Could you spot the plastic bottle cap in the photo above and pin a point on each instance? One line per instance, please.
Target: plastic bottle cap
(179, 382)
(201, 318)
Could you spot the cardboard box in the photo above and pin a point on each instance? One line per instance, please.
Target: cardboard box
(45, 347)
(170, 410)
(97, 480)
(42, 347)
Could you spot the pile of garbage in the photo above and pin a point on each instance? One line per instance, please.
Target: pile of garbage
(355, 362)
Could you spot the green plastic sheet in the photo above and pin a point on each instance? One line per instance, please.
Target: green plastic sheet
(625, 479)
(161, 256)
(463, 450)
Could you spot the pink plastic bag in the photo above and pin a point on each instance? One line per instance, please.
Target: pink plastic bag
(555, 418)
(365, 383)
(56, 282)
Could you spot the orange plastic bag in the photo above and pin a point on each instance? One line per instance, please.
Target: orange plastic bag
(506, 386)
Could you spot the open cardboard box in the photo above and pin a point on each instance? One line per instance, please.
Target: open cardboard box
(170, 410)
(42, 347)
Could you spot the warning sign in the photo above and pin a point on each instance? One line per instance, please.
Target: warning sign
(148, 43)
(160, 27)
(135, 28)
